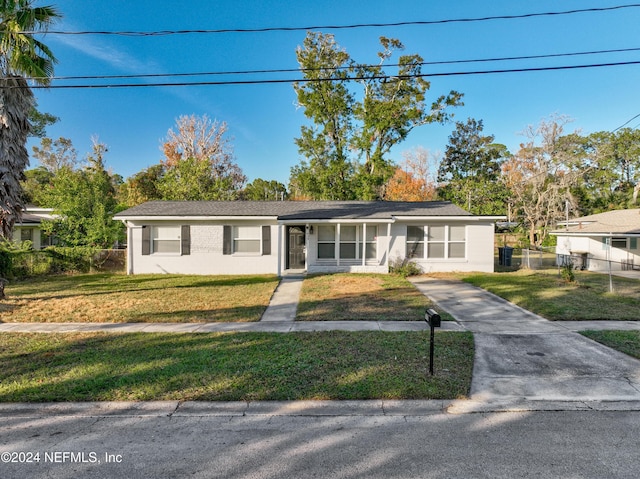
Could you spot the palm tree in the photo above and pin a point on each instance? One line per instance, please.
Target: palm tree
(22, 57)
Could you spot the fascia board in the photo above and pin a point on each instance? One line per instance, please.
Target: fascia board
(450, 218)
(195, 218)
(336, 221)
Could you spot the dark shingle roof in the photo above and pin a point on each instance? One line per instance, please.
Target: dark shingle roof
(294, 210)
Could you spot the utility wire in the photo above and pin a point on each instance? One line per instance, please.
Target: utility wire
(352, 78)
(335, 27)
(296, 70)
(626, 123)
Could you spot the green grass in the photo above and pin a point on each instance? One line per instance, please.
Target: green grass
(364, 297)
(140, 298)
(232, 366)
(546, 294)
(627, 342)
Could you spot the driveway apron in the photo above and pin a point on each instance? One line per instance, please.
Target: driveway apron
(519, 355)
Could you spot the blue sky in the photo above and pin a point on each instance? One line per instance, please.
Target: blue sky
(263, 119)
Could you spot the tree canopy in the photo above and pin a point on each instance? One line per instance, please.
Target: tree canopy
(84, 201)
(346, 146)
(470, 170)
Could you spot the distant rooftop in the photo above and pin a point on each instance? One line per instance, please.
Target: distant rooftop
(617, 221)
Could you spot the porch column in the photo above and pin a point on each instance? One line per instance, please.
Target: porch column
(280, 249)
(337, 247)
(306, 247)
(363, 240)
(388, 244)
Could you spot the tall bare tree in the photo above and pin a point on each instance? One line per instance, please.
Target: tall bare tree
(199, 162)
(21, 56)
(540, 176)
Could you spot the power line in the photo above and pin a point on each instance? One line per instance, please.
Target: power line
(335, 27)
(296, 70)
(626, 123)
(352, 78)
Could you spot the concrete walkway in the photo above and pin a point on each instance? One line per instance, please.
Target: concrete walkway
(284, 302)
(523, 357)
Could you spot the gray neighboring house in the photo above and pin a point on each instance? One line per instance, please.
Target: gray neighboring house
(262, 237)
(593, 242)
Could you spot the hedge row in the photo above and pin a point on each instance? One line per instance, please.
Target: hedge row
(19, 264)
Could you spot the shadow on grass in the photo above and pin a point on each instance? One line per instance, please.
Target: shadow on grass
(101, 284)
(232, 367)
(112, 298)
(343, 297)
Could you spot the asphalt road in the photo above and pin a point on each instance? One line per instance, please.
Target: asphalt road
(424, 443)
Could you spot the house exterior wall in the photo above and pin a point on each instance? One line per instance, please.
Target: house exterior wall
(598, 254)
(206, 254)
(479, 247)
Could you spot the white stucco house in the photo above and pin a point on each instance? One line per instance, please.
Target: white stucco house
(600, 241)
(261, 237)
(29, 227)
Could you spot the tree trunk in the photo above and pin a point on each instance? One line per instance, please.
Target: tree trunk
(16, 100)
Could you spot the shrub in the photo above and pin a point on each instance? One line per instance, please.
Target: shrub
(404, 267)
(567, 272)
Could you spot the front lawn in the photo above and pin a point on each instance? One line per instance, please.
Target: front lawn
(232, 366)
(139, 298)
(548, 295)
(348, 296)
(627, 342)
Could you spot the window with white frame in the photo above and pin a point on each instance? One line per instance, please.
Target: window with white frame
(436, 242)
(165, 239)
(247, 239)
(371, 241)
(348, 241)
(415, 242)
(326, 242)
(457, 241)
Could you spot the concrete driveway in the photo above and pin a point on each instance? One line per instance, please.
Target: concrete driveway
(523, 357)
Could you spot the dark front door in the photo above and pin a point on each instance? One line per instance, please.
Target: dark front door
(296, 247)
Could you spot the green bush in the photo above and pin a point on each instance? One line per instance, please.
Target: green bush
(17, 262)
(404, 267)
(567, 272)
(5, 263)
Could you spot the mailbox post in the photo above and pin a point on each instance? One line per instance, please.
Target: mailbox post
(434, 320)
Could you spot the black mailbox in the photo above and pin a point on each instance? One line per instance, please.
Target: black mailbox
(433, 318)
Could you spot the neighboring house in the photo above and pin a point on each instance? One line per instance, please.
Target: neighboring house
(597, 241)
(29, 227)
(251, 237)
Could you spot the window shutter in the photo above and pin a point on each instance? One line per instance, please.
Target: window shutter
(146, 240)
(226, 240)
(185, 240)
(266, 240)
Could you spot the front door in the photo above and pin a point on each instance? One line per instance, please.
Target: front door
(296, 247)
